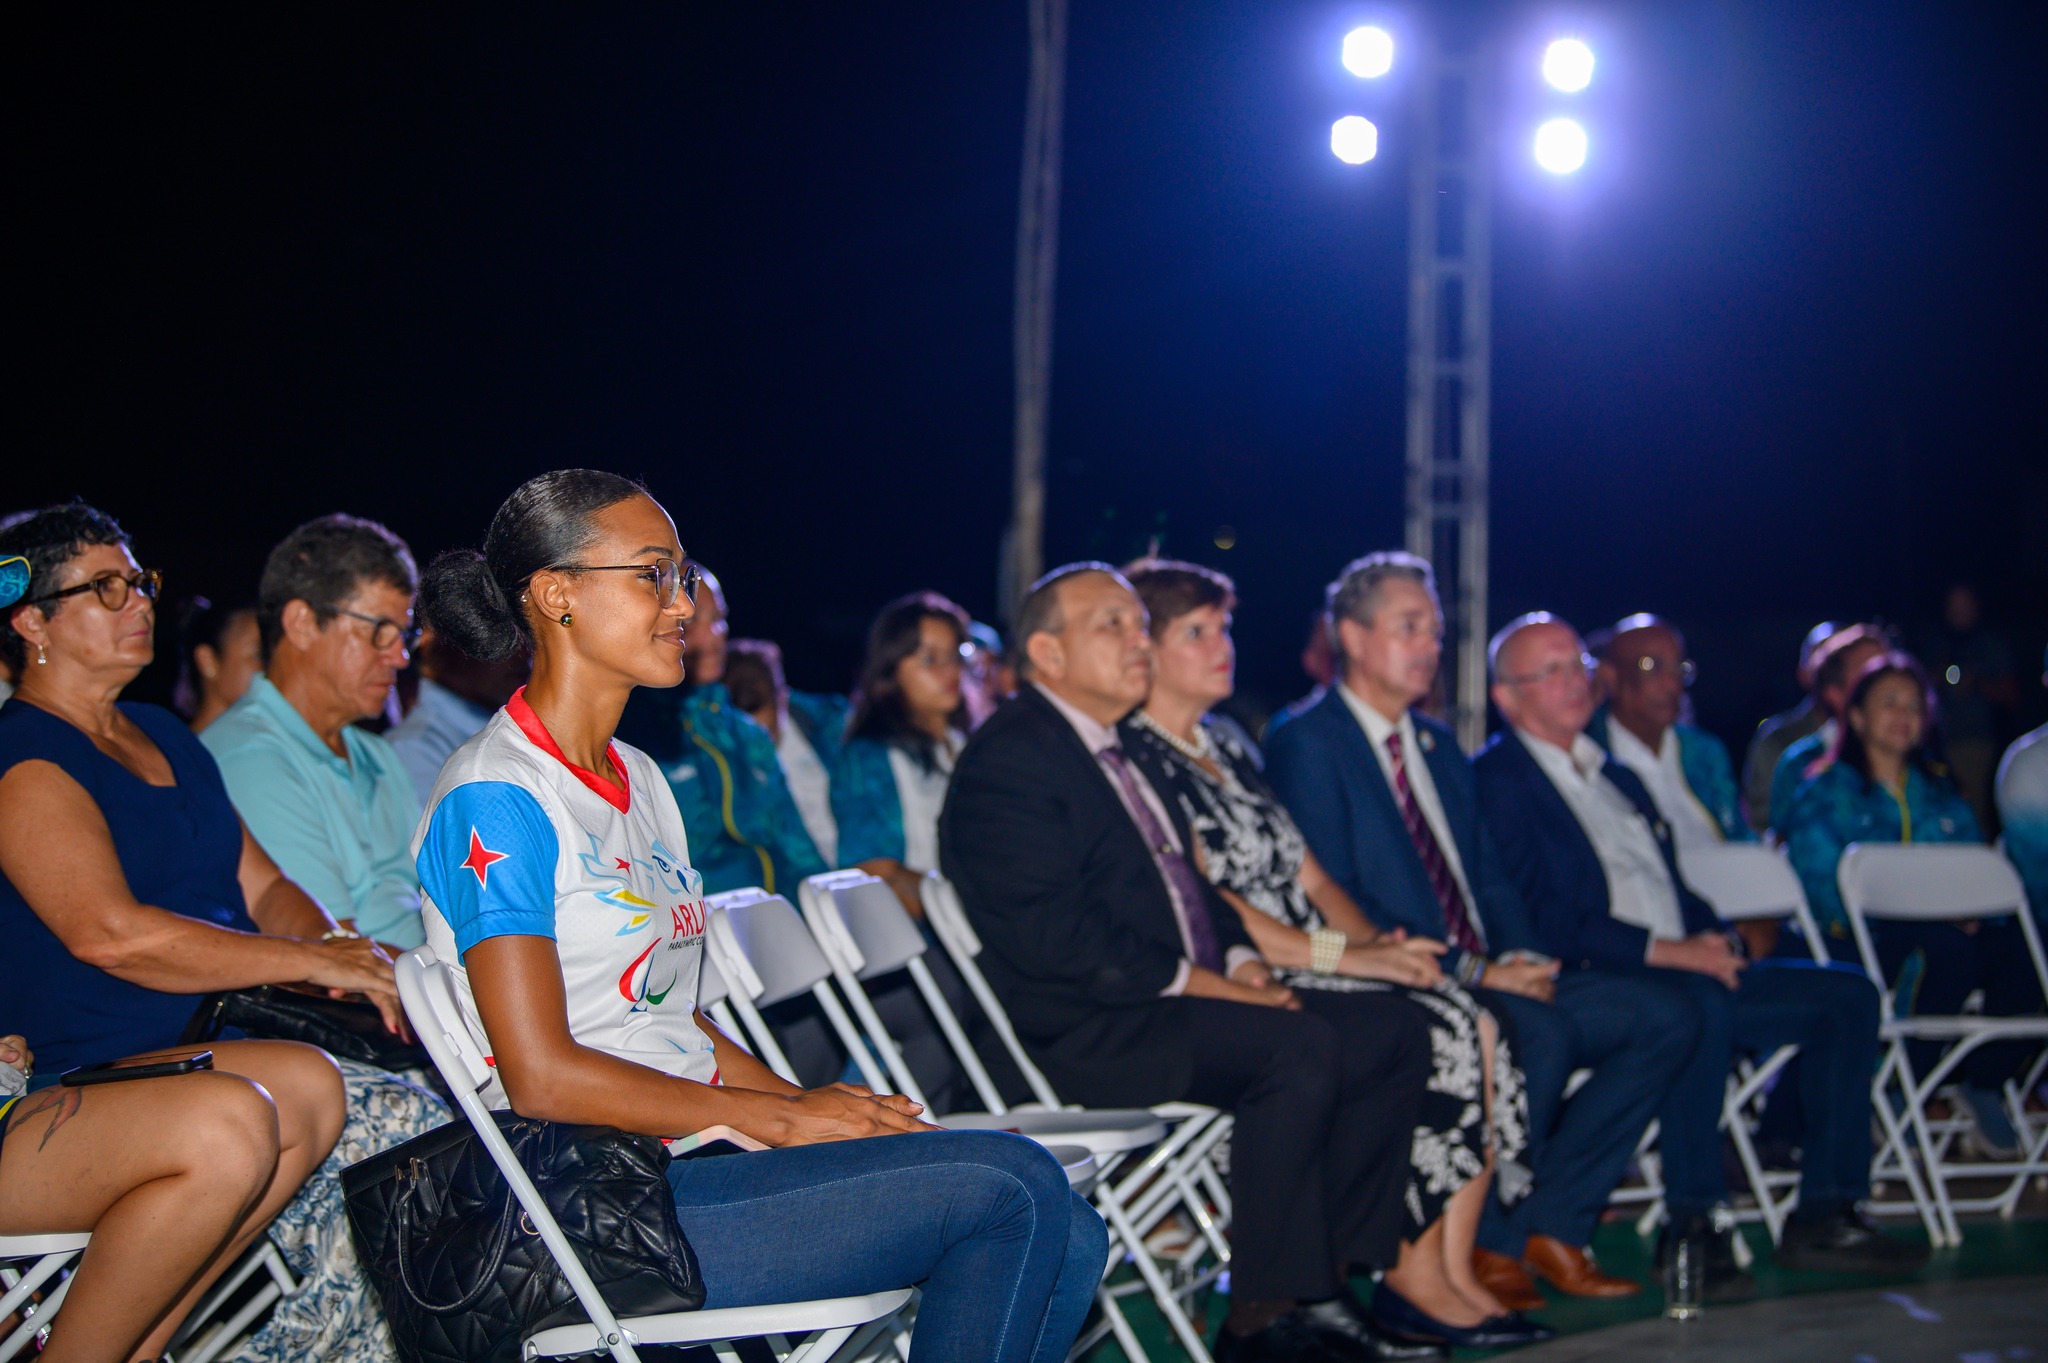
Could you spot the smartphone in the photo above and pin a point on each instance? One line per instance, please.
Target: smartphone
(115, 1071)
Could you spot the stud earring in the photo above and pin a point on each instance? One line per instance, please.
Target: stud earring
(565, 619)
(42, 658)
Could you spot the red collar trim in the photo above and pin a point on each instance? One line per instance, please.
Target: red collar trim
(618, 794)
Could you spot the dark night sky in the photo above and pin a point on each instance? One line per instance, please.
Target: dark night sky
(1777, 355)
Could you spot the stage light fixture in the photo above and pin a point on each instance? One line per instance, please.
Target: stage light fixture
(1354, 140)
(1560, 146)
(1368, 52)
(1568, 65)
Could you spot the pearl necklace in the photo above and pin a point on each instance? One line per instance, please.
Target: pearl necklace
(1201, 750)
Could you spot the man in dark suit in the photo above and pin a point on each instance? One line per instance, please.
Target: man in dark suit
(1133, 983)
(1597, 865)
(1388, 804)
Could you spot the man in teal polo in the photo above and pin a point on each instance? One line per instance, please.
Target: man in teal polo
(331, 802)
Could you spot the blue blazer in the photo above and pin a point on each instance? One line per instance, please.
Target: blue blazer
(1324, 770)
(1553, 864)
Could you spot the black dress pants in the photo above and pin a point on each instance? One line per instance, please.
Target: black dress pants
(1326, 1102)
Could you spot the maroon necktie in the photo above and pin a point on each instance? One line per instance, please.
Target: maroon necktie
(1464, 934)
(1181, 877)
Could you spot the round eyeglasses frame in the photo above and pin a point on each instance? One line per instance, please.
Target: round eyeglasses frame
(111, 588)
(383, 633)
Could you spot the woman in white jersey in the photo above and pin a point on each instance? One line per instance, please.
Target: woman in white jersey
(557, 872)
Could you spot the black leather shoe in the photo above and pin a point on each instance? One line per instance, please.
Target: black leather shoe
(1290, 1339)
(1348, 1330)
(1727, 1281)
(1396, 1315)
(1846, 1242)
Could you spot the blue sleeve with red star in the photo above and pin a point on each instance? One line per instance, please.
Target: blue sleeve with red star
(488, 863)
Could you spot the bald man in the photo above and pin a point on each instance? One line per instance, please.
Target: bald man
(1596, 863)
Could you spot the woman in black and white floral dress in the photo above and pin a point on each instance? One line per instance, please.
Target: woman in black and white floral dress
(1314, 937)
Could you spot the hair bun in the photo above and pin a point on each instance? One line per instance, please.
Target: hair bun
(463, 604)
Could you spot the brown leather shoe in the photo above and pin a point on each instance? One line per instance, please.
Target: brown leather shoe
(1571, 1270)
(1506, 1279)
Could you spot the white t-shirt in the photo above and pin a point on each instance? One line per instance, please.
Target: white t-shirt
(921, 793)
(810, 785)
(517, 842)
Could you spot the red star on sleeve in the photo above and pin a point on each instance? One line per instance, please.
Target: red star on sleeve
(478, 863)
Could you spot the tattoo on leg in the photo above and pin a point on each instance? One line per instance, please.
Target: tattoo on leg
(62, 1103)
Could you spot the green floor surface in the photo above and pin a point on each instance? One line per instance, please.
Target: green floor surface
(1990, 1248)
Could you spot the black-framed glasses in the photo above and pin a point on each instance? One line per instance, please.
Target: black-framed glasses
(1686, 669)
(111, 588)
(671, 579)
(383, 633)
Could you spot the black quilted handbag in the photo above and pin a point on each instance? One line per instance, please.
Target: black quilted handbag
(464, 1276)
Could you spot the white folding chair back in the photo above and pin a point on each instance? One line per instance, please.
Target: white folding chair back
(767, 956)
(864, 929)
(1942, 883)
(1746, 882)
(426, 987)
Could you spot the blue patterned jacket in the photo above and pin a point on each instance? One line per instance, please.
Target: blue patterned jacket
(1838, 807)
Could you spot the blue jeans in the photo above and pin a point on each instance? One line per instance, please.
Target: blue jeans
(1008, 1257)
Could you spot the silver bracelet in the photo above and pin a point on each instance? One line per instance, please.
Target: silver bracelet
(1471, 968)
(1325, 950)
(341, 935)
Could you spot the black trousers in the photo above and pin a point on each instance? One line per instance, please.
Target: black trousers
(1326, 1102)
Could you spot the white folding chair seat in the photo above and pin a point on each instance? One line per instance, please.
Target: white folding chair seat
(798, 1332)
(866, 934)
(1942, 883)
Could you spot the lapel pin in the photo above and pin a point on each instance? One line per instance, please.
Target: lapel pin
(1427, 740)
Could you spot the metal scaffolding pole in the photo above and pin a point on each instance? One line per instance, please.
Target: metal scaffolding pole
(1038, 217)
(1449, 364)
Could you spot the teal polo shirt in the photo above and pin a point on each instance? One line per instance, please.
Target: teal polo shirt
(341, 827)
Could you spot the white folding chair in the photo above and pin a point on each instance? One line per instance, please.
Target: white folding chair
(1744, 882)
(797, 1332)
(764, 946)
(29, 1262)
(1941, 883)
(866, 929)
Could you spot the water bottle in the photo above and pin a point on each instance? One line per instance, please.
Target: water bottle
(1685, 1279)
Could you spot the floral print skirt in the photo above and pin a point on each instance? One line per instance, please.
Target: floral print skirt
(1451, 1140)
(335, 1317)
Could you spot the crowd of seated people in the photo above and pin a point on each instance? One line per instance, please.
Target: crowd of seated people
(1386, 958)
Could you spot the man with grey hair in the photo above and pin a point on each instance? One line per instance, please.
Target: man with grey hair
(1389, 807)
(1597, 864)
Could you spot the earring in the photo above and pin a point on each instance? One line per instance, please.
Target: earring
(565, 619)
(42, 658)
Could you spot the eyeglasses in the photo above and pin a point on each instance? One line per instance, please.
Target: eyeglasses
(1650, 667)
(111, 588)
(670, 579)
(1555, 671)
(383, 633)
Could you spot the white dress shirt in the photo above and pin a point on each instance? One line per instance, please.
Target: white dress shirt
(1096, 736)
(810, 785)
(1378, 728)
(1639, 888)
(1691, 826)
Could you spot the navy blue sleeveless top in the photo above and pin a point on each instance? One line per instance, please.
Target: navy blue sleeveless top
(180, 847)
